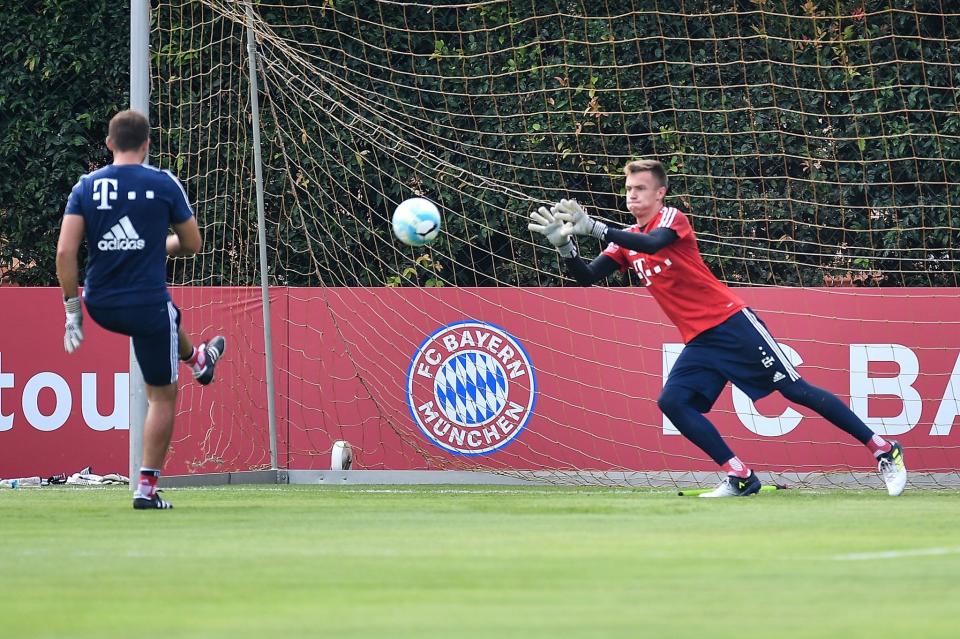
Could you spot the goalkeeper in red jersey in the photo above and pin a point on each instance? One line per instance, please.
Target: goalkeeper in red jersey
(724, 340)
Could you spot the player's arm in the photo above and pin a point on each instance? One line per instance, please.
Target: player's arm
(577, 222)
(68, 274)
(589, 274)
(648, 243)
(186, 239)
(68, 248)
(544, 221)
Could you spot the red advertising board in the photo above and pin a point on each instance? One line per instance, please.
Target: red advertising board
(498, 378)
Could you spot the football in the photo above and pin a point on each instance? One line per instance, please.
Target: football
(416, 221)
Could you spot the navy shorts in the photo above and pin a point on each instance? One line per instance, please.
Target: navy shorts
(740, 350)
(154, 329)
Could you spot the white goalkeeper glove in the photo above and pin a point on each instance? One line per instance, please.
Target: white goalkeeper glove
(544, 221)
(73, 332)
(577, 221)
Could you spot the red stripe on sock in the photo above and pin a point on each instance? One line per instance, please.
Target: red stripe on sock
(878, 445)
(736, 468)
(147, 486)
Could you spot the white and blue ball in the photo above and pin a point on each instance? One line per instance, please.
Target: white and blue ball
(416, 221)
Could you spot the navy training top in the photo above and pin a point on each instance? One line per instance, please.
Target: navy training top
(127, 211)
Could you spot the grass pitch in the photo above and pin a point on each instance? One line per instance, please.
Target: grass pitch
(311, 561)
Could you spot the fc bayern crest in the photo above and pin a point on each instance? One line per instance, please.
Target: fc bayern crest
(471, 388)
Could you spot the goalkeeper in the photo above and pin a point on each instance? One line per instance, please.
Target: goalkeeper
(724, 340)
(124, 211)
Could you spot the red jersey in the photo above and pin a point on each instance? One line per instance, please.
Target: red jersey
(677, 277)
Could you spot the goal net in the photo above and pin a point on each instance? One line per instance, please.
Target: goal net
(816, 148)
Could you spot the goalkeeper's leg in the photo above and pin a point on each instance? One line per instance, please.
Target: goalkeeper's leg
(889, 455)
(680, 405)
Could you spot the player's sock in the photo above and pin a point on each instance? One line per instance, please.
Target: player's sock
(878, 445)
(147, 487)
(736, 468)
(191, 357)
(197, 360)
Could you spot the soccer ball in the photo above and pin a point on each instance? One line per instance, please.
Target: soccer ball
(416, 221)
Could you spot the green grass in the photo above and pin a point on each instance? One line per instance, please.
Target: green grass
(310, 561)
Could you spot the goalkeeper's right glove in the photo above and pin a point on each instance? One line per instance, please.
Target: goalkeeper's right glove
(545, 222)
(577, 220)
(73, 331)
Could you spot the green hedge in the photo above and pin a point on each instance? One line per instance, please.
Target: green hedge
(806, 145)
(65, 72)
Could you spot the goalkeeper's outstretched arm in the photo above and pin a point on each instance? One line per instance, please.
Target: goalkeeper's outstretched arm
(604, 266)
(648, 243)
(575, 221)
(546, 223)
(589, 274)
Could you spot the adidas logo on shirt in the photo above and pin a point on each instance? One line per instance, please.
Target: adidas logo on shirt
(778, 376)
(121, 237)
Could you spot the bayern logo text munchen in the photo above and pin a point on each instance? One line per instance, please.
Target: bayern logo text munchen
(471, 388)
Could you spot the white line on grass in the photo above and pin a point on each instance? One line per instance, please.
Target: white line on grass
(422, 489)
(895, 554)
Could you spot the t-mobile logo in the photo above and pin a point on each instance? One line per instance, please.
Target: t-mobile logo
(641, 266)
(104, 189)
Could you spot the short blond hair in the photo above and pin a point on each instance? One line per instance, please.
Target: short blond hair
(653, 166)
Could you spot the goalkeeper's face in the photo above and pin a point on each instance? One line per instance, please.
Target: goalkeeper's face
(644, 195)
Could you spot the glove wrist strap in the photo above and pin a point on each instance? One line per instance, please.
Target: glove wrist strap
(599, 230)
(71, 304)
(568, 250)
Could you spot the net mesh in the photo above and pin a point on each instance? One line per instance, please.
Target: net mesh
(813, 147)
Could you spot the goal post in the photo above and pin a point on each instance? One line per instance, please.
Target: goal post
(140, 76)
(813, 149)
(261, 237)
(140, 101)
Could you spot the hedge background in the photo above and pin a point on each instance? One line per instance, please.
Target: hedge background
(66, 69)
(832, 152)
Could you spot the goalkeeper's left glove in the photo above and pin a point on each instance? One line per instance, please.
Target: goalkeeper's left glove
(73, 331)
(578, 222)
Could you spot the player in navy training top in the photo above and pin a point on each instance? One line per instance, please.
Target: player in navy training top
(724, 340)
(125, 211)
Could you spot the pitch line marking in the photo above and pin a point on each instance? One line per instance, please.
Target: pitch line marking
(896, 554)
